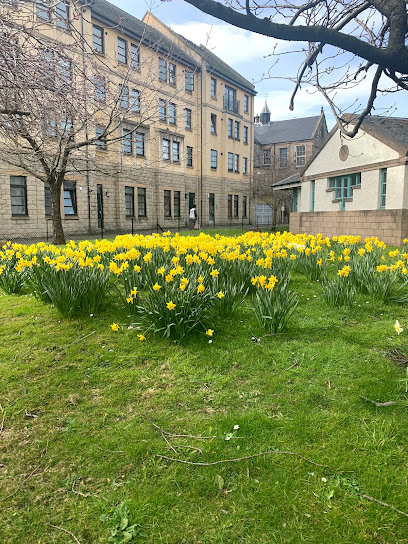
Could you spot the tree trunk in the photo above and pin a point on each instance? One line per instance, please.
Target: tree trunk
(58, 231)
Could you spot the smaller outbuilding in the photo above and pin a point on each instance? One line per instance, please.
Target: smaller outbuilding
(356, 186)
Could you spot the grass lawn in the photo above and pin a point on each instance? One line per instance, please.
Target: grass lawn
(86, 412)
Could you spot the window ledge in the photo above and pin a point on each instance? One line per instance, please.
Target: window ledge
(71, 218)
(19, 217)
(189, 129)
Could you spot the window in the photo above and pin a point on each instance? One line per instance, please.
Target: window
(189, 81)
(230, 102)
(312, 195)
(122, 51)
(244, 165)
(130, 201)
(172, 74)
(189, 156)
(43, 10)
(141, 202)
(236, 165)
(127, 141)
(283, 157)
(18, 193)
(244, 206)
(47, 200)
(230, 162)
(70, 203)
(213, 123)
(64, 72)
(101, 142)
(167, 203)
(229, 207)
(245, 138)
(62, 14)
(100, 88)
(166, 149)
(236, 130)
(383, 188)
(214, 158)
(300, 155)
(162, 109)
(236, 197)
(229, 128)
(124, 96)
(134, 56)
(140, 144)
(135, 100)
(246, 103)
(176, 152)
(176, 203)
(213, 87)
(172, 114)
(97, 40)
(343, 188)
(162, 69)
(295, 200)
(187, 113)
(267, 157)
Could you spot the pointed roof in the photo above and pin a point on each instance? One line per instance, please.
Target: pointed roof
(265, 109)
(289, 130)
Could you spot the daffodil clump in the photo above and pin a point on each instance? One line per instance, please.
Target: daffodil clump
(179, 284)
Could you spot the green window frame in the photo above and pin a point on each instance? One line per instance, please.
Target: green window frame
(312, 191)
(295, 199)
(383, 188)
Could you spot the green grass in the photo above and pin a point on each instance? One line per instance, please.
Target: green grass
(75, 397)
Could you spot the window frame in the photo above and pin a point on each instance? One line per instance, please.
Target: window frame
(60, 21)
(100, 88)
(134, 51)
(236, 206)
(229, 206)
(135, 98)
(236, 130)
(47, 200)
(23, 195)
(230, 162)
(283, 157)
(189, 156)
(166, 149)
(162, 70)
(129, 192)
(101, 144)
(230, 127)
(141, 202)
(124, 96)
(383, 189)
(236, 163)
(175, 151)
(245, 135)
(172, 74)
(96, 47)
(167, 203)
(127, 139)
(187, 118)
(140, 144)
(188, 81)
(300, 157)
(176, 204)
(245, 165)
(69, 192)
(267, 157)
(172, 113)
(213, 121)
(162, 110)
(213, 88)
(214, 159)
(122, 50)
(246, 103)
(244, 207)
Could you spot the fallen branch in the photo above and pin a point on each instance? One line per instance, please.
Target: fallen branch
(24, 481)
(241, 459)
(372, 499)
(80, 338)
(379, 404)
(65, 531)
(110, 451)
(3, 411)
(163, 432)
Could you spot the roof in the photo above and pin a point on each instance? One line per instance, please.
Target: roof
(392, 131)
(265, 109)
(113, 16)
(293, 179)
(289, 130)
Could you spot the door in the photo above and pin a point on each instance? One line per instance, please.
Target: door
(191, 200)
(211, 207)
(99, 200)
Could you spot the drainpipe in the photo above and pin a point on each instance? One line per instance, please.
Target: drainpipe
(201, 145)
(88, 187)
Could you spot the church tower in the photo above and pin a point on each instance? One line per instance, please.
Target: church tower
(265, 116)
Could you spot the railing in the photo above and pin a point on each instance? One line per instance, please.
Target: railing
(230, 104)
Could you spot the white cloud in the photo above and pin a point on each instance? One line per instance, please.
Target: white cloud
(233, 45)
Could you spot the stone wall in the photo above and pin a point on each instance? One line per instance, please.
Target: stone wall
(391, 226)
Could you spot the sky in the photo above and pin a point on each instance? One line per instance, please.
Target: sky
(250, 55)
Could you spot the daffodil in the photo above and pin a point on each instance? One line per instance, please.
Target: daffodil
(141, 337)
(115, 327)
(209, 332)
(200, 288)
(156, 287)
(220, 294)
(170, 305)
(398, 327)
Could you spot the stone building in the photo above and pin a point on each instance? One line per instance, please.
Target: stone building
(282, 149)
(186, 138)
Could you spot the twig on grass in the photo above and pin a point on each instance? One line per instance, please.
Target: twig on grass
(3, 411)
(379, 404)
(296, 363)
(80, 338)
(24, 481)
(110, 451)
(372, 499)
(163, 432)
(65, 531)
(242, 459)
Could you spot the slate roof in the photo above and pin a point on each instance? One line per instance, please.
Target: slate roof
(392, 131)
(290, 130)
(294, 178)
(112, 16)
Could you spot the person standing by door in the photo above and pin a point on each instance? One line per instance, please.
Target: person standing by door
(193, 217)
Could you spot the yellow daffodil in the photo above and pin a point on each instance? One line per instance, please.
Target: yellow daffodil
(115, 327)
(209, 332)
(141, 337)
(214, 273)
(200, 288)
(220, 294)
(156, 287)
(170, 305)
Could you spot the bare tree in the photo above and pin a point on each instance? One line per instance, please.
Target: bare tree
(60, 103)
(348, 41)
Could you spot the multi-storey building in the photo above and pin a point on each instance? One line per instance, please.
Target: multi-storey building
(185, 134)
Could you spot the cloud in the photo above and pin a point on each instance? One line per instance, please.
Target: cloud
(233, 45)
